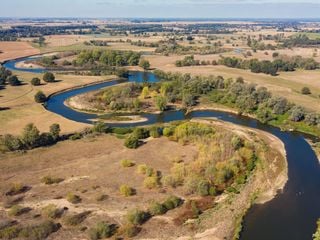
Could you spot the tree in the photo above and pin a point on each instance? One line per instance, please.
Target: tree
(161, 103)
(144, 64)
(297, 114)
(305, 91)
(14, 81)
(35, 81)
(40, 97)
(55, 130)
(30, 136)
(132, 142)
(49, 77)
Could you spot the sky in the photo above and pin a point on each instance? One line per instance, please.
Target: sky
(161, 8)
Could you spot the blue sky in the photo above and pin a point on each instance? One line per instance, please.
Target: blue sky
(162, 8)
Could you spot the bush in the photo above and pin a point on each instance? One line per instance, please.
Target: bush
(172, 202)
(132, 142)
(12, 143)
(157, 209)
(17, 210)
(127, 191)
(15, 189)
(151, 182)
(237, 142)
(100, 127)
(40, 97)
(49, 77)
(141, 133)
(14, 81)
(51, 180)
(73, 198)
(51, 211)
(9, 232)
(127, 163)
(39, 232)
(76, 219)
(121, 131)
(305, 91)
(137, 217)
(155, 132)
(35, 81)
(102, 230)
(142, 169)
(297, 114)
(130, 230)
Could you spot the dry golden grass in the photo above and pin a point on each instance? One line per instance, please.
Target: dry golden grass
(12, 50)
(23, 109)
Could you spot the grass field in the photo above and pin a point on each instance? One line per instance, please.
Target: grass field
(22, 108)
(11, 50)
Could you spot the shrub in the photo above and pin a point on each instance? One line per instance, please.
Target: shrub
(142, 169)
(55, 130)
(137, 217)
(76, 219)
(51, 180)
(155, 132)
(14, 81)
(75, 136)
(49, 77)
(237, 142)
(151, 182)
(12, 143)
(101, 197)
(157, 209)
(15, 189)
(102, 230)
(305, 91)
(297, 114)
(100, 127)
(73, 198)
(17, 210)
(121, 131)
(127, 163)
(144, 64)
(141, 133)
(172, 202)
(130, 230)
(39, 232)
(127, 191)
(9, 232)
(132, 142)
(35, 81)
(51, 211)
(40, 97)
(168, 131)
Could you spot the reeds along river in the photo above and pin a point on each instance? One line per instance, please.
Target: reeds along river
(291, 215)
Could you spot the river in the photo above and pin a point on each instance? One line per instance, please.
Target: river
(291, 215)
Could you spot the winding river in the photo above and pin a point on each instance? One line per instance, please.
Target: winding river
(291, 215)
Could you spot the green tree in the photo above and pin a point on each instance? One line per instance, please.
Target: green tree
(144, 64)
(55, 130)
(49, 77)
(161, 103)
(14, 81)
(132, 142)
(30, 136)
(35, 81)
(40, 97)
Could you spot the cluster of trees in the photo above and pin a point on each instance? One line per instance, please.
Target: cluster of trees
(259, 45)
(89, 58)
(300, 40)
(270, 67)
(174, 48)
(210, 176)
(6, 77)
(31, 138)
(140, 43)
(99, 43)
(15, 32)
(245, 97)
(190, 61)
